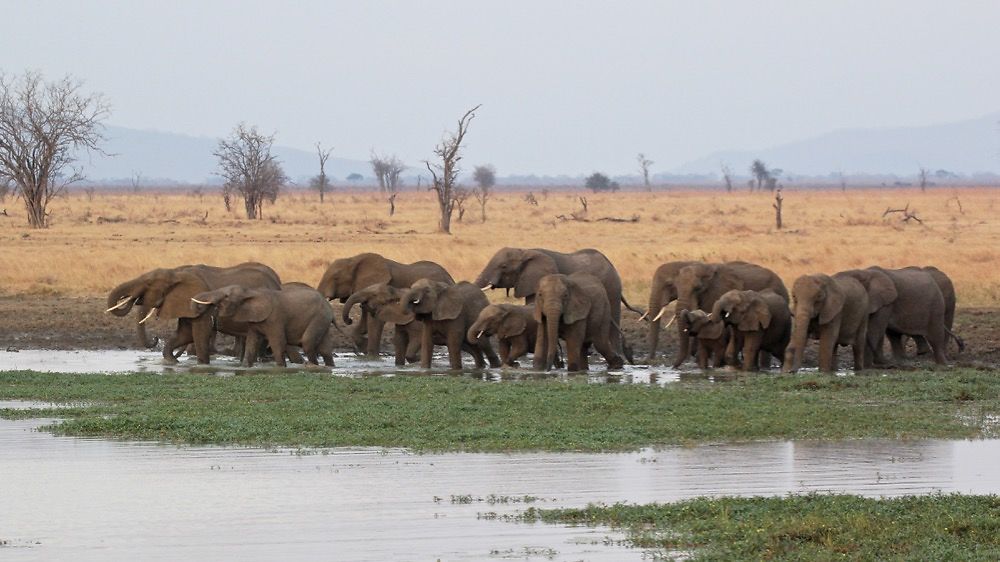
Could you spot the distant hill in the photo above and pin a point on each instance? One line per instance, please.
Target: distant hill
(170, 157)
(964, 147)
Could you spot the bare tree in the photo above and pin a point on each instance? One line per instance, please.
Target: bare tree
(445, 174)
(43, 126)
(321, 183)
(644, 164)
(777, 209)
(460, 195)
(136, 181)
(5, 187)
(387, 170)
(249, 169)
(922, 176)
(486, 178)
(727, 176)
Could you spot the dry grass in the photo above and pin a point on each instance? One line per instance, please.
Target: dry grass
(93, 245)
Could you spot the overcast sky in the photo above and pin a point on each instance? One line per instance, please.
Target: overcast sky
(565, 87)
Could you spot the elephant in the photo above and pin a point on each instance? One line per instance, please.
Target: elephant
(447, 311)
(833, 308)
(346, 276)
(711, 333)
(574, 307)
(699, 285)
(513, 325)
(521, 269)
(663, 291)
(948, 292)
(166, 293)
(374, 300)
(918, 310)
(296, 315)
(761, 321)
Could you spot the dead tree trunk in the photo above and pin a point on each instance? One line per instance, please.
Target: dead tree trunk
(777, 208)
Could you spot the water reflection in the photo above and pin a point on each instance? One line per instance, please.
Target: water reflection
(94, 500)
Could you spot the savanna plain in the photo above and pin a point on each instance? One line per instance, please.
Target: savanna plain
(53, 283)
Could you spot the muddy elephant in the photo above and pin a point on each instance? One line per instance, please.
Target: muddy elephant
(521, 269)
(513, 325)
(833, 309)
(662, 292)
(917, 310)
(376, 300)
(575, 308)
(295, 315)
(711, 333)
(699, 285)
(950, 299)
(346, 276)
(760, 320)
(446, 311)
(167, 292)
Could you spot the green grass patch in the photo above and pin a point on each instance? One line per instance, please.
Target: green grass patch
(460, 413)
(810, 527)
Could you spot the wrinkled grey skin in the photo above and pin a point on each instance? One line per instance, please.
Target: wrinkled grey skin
(346, 276)
(918, 310)
(948, 292)
(575, 308)
(760, 320)
(513, 325)
(699, 285)
(711, 333)
(296, 315)
(833, 309)
(169, 292)
(376, 300)
(447, 311)
(521, 269)
(662, 292)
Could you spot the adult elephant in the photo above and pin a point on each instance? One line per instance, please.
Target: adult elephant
(950, 299)
(167, 293)
(700, 285)
(662, 292)
(346, 276)
(575, 308)
(377, 300)
(834, 309)
(521, 269)
(919, 310)
(882, 295)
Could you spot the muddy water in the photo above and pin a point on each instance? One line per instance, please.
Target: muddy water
(84, 499)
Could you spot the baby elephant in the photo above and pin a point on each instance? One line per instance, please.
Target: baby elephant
(575, 308)
(711, 333)
(297, 315)
(761, 320)
(378, 300)
(513, 325)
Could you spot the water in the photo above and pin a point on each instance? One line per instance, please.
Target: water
(88, 499)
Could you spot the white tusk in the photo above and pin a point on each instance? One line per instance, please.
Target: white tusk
(121, 303)
(148, 316)
(416, 301)
(672, 318)
(659, 314)
(488, 287)
(480, 334)
(199, 302)
(644, 315)
(709, 316)
(726, 315)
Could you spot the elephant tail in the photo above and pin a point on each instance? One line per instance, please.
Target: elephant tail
(625, 350)
(632, 308)
(959, 341)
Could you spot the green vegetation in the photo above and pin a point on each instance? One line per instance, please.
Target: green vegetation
(811, 527)
(461, 413)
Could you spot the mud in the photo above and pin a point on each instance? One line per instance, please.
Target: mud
(89, 499)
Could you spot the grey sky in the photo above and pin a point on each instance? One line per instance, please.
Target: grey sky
(566, 87)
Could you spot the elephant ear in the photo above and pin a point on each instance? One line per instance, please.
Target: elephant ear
(394, 314)
(577, 306)
(512, 325)
(177, 301)
(757, 317)
(448, 304)
(254, 308)
(369, 270)
(535, 266)
(881, 292)
(832, 304)
(727, 279)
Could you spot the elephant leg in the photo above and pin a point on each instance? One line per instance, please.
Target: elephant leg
(201, 331)
(426, 346)
(923, 348)
(751, 347)
(239, 346)
(250, 349)
(898, 348)
(684, 344)
(413, 339)
(541, 350)
(505, 352)
(455, 339)
(938, 339)
(276, 339)
(180, 338)
(575, 347)
(359, 334)
(293, 355)
(491, 356)
(860, 343)
(610, 354)
(400, 341)
(518, 348)
(828, 347)
(703, 357)
(375, 327)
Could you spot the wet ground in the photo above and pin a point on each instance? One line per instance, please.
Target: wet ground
(88, 499)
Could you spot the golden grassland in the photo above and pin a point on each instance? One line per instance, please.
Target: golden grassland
(92, 245)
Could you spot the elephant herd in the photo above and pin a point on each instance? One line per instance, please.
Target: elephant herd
(732, 313)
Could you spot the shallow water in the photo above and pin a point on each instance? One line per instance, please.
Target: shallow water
(89, 499)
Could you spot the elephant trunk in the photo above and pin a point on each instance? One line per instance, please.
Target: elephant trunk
(552, 317)
(475, 332)
(354, 299)
(800, 336)
(488, 279)
(121, 299)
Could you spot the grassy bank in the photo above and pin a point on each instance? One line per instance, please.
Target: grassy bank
(812, 527)
(458, 413)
